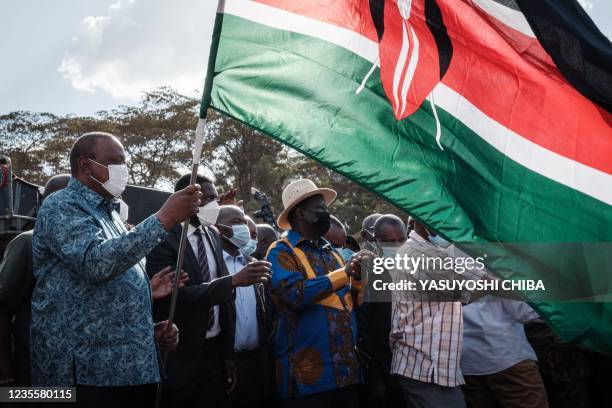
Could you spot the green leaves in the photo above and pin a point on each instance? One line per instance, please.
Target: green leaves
(158, 135)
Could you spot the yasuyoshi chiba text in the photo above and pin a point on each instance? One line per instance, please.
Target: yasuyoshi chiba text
(452, 285)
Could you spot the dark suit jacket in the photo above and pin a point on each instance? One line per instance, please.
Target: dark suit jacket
(193, 304)
(16, 285)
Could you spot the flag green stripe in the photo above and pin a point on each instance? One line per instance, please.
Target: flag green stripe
(320, 115)
(301, 91)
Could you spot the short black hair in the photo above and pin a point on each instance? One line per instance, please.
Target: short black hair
(84, 146)
(388, 219)
(369, 221)
(183, 181)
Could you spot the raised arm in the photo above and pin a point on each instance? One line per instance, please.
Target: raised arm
(289, 285)
(80, 242)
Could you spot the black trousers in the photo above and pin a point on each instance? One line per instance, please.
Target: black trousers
(208, 388)
(345, 397)
(121, 397)
(380, 388)
(253, 385)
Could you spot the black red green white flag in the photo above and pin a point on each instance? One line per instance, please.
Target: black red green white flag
(472, 115)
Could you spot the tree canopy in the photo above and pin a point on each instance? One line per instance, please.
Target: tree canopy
(157, 134)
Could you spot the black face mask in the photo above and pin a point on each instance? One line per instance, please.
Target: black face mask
(321, 224)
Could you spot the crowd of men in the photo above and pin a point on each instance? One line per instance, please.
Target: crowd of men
(262, 319)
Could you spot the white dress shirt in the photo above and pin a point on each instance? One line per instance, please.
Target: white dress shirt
(493, 335)
(212, 268)
(247, 328)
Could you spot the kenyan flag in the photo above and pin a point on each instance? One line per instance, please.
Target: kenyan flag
(487, 119)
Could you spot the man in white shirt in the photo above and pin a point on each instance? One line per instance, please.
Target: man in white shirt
(499, 364)
(253, 330)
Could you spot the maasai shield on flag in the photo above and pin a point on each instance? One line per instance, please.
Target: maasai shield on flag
(485, 119)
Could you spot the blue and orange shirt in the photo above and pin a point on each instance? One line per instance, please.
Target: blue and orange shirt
(316, 327)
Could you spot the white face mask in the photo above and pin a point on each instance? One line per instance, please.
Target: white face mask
(250, 247)
(117, 178)
(209, 213)
(240, 235)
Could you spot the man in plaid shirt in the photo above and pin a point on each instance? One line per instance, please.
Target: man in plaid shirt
(427, 329)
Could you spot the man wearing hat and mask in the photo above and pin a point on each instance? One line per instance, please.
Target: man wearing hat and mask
(314, 292)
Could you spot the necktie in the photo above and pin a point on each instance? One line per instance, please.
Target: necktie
(204, 272)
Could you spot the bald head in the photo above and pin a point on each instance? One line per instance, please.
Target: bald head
(231, 215)
(265, 231)
(266, 236)
(367, 226)
(390, 228)
(85, 146)
(56, 183)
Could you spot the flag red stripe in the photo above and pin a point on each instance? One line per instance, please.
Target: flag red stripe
(528, 47)
(539, 105)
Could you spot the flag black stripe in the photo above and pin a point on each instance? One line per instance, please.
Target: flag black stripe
(433, 18)
(580, 51)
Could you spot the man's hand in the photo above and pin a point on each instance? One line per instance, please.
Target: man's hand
(229, 198)
(354, 265)
(254, 272)
(166, 336)
(163, 282)
(232, 375)
(180, 206)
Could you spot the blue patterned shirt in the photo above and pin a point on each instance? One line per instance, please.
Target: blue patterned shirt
(317, 328)
(91, 307)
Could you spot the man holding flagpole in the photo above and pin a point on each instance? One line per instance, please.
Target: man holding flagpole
(92, 323)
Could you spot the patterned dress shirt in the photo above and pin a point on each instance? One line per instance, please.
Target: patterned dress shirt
(426, 335)
(316, 327)
(91, 307)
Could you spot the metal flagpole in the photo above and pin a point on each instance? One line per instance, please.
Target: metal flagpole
(197, 153)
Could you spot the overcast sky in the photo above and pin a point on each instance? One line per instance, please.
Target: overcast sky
(82, 56)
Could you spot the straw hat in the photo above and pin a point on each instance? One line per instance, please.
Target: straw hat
(297, 192)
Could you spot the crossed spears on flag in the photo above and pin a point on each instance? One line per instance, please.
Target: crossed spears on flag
(413, 54)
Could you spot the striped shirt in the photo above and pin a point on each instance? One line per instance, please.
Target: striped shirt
(426, 335)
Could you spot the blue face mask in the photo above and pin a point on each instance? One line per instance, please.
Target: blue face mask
(240, 235)
(250, 247)
(389, 251)
(439, 241)
(345, 253)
